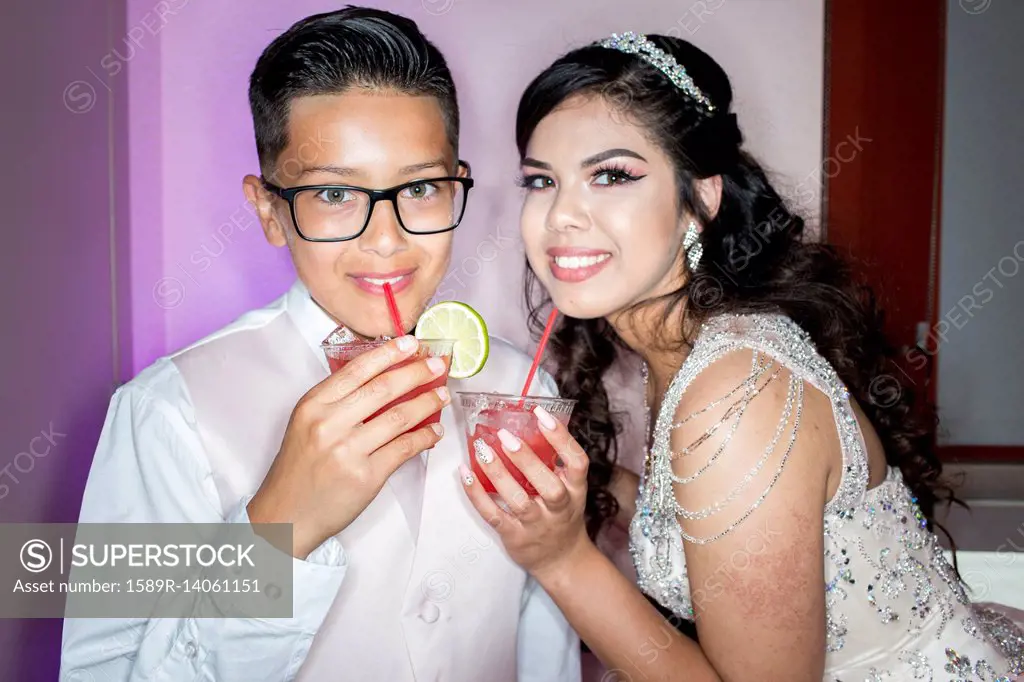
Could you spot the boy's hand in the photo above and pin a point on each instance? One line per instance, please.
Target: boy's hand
(331, 465)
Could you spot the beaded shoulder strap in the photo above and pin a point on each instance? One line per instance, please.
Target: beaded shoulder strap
(776, 343)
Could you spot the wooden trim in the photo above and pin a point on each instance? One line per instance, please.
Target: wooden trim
(978, 454)
(826, 132)
(885, 88)
(935, 242)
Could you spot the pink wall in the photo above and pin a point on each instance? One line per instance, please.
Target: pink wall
(199, 258)
(63, 180)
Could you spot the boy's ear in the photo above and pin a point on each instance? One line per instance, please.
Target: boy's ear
(262, 202)
(464, 169)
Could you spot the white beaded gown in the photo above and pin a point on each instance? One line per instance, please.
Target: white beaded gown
(895, 609)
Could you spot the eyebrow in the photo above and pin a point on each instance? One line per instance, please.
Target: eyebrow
(610, 154)
(334, 170)
(589, 161)
(349, 172)
(417, 167)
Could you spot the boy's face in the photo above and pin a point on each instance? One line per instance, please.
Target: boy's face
(374, 140)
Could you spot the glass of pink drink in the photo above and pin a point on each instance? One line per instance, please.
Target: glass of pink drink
(488, 412)
(339, 355)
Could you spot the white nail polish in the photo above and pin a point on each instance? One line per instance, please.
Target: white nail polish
(545, 418)
(510, 442)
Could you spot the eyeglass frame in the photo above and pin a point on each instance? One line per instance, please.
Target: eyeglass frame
(389, 194)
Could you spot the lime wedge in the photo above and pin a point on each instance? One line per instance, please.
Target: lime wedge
(457, 321)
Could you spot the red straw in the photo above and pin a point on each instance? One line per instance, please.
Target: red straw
(540, 350)
(396, 318)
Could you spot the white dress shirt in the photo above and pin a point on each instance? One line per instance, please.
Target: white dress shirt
(153, 464)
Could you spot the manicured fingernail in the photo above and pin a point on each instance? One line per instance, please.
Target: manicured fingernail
(544, 418)
(442, 393)
(436, 366)
(508, 440)
(438, 429)
(406, 343)
(483, 451)
(467, 475)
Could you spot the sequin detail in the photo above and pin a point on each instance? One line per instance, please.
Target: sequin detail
(886, 577)
(638, 44)
(483, 452)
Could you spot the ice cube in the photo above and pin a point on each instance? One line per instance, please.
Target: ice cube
(339, 337)
(516, 421)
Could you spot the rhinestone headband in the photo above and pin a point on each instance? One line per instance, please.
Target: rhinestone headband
(639, 45)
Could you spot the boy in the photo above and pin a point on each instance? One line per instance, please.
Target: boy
(395, 577)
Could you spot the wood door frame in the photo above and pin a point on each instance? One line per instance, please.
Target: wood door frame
(888, 77)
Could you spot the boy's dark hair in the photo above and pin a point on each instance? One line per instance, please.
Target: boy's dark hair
(331, 52)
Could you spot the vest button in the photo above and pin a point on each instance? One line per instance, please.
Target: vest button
(430, 612)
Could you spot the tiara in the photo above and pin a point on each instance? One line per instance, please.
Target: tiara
(639, 45)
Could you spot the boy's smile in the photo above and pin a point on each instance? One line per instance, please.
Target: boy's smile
(373, 282)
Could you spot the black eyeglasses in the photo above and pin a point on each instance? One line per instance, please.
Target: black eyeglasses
(338, 213)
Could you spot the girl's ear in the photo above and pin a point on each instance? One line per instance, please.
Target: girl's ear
(710, 192)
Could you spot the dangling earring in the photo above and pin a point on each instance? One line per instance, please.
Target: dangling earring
(692, 246)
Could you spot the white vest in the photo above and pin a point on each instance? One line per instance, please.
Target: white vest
(442, 607)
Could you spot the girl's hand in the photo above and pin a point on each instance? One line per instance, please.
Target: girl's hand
(542, 533)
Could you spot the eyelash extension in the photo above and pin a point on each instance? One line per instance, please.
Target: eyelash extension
(525, 181)
(615, 169)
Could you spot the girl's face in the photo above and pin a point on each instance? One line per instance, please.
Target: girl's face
(601, 218)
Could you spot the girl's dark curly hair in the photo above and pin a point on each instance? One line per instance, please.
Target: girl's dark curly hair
(754, 260)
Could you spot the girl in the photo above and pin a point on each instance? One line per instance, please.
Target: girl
(783, 508)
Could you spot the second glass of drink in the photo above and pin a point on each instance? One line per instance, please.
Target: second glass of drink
(486, 413)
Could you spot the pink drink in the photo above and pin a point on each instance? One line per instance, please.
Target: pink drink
(488, 412)
(340, 355)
